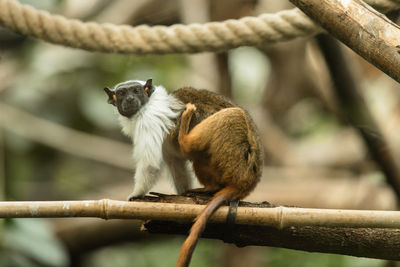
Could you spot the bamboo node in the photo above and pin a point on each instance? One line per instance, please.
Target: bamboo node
(34, 209)
(104, 208)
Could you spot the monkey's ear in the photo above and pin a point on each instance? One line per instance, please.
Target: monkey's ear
(112, 99)
(148, 87)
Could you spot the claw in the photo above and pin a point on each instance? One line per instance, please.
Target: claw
(190, 107)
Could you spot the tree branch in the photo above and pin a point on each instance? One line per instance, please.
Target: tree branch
(364, 30)
(360, 242)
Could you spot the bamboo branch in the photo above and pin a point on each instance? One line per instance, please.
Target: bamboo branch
(364, 30)
(258, 214)
(361, 242)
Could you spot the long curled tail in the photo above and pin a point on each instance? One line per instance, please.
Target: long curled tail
(226, 194)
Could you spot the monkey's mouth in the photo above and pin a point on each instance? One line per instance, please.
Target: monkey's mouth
(129, 108)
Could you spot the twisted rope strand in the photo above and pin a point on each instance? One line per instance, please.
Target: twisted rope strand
(192, 38)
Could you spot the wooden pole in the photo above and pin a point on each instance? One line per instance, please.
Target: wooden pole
(360, 27)
(277, 217)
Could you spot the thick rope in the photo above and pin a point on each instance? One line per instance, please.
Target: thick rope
(192, 38)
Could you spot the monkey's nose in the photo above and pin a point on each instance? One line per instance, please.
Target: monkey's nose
(130, 98)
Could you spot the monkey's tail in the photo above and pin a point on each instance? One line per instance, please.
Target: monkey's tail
(226, 194)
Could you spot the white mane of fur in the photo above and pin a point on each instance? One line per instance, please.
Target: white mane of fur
(149, 126)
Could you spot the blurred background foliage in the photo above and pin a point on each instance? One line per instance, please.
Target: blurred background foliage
(314, 159)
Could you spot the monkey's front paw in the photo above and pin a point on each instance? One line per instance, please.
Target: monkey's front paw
(133, 197)
(190, 107)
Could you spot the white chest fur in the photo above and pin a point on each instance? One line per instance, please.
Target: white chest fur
(150, 125)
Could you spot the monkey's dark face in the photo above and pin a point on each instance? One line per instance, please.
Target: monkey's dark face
(130, 99)
(130, 96)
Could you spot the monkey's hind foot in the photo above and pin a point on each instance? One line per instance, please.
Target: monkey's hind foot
(190, 107)
(200, 192)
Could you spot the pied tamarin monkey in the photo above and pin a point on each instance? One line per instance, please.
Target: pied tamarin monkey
(199, 126)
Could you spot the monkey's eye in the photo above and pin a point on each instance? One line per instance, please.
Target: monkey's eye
(121, 93)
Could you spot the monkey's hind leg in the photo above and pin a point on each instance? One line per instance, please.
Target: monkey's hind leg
(199, 137)
(184, 128)
(204, 133)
